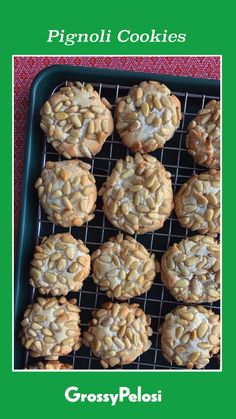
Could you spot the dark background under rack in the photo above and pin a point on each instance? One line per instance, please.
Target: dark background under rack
(157, 301)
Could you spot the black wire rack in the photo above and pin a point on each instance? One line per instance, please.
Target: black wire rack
(157, 301)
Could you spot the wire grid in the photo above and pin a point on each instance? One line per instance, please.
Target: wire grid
(157, 301)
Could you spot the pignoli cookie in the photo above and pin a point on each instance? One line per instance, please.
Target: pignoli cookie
(60, 265)
(204, 136)
(51, 365)
(190, 269)
(67, 192)
(123, 268)
(190, 336)
(147, 117)
(76, 120)
(138, 195)
(50, 327)
(197, 203)
(118, 333)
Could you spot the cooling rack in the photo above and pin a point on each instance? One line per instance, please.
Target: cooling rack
(157, 301)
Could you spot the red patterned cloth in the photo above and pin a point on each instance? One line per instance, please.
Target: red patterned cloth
(26, 68)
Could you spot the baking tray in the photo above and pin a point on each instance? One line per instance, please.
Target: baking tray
(193, 94)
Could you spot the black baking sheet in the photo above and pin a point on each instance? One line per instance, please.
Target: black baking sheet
(193, 94)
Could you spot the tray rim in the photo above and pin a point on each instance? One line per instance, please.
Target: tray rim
(80, 70)
(98, 71)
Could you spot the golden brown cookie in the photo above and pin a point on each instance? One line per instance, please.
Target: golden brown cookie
(76, 120)
(147, 117)
(190, 336)
(50, 365)
(67, 192)
(50, 327)
(204, 136)
(197, 203)
(190, 269)
(138, 195)
(118, 333)
(60, 265)
(123, 268)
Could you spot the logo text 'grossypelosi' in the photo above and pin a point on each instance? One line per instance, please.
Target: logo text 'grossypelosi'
(73, 395)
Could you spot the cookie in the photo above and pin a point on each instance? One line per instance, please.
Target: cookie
(190, 336)
(118, 333)
(76, 120)
(51, 365)
(50, 327)
(204, 136)
(67, 192)
(147, 117)
(123, 268)
(190, 269)
(138, 195)
(60, 265)
(197, 203)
